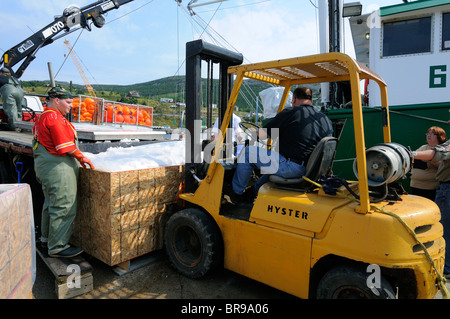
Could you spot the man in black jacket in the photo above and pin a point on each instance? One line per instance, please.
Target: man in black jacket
(299, 129)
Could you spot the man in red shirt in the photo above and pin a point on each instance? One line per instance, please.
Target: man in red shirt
(56, 163)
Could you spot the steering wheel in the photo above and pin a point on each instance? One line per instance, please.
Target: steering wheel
(251, 130)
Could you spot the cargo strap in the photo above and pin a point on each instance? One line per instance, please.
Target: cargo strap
(441, 279)
(415, 116)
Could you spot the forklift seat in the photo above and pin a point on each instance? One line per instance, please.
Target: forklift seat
(319, 164)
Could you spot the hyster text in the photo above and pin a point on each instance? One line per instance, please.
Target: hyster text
(287, 212)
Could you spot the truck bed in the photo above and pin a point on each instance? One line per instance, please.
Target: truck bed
(90, 138)
(19, 142)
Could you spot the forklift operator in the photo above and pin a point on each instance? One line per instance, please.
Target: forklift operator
(299, 128)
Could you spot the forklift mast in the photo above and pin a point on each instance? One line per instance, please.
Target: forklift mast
(196, 52)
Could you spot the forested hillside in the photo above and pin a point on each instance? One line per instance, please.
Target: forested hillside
(151, 93)
(171, 87)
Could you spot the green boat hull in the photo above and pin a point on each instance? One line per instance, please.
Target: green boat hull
(408, 127)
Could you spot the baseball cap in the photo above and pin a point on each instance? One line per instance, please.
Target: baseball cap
(60, 93)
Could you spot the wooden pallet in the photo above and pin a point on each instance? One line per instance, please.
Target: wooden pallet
(138, 262)
(73, 276)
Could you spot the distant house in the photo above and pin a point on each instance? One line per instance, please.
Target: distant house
(178, 104)
(133, 94)
(166, 100)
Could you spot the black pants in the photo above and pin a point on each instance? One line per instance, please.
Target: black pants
(428, 193)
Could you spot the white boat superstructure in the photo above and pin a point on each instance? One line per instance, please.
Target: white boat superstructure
(408, 44)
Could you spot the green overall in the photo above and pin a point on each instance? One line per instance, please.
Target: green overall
(12, 96)
(58, 176)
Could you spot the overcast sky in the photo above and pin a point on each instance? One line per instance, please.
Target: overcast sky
(144, 40)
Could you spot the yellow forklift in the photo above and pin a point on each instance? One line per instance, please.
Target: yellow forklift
(314, 237)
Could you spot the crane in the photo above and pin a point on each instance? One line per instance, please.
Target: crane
(72, 19)
(80, 69)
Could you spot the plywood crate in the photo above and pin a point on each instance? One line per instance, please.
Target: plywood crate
(119, 213)
(17, 257)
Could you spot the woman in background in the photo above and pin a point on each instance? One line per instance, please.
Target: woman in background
(423, 181)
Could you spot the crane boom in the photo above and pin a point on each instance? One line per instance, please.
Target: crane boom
(80, 69)
(72, 19)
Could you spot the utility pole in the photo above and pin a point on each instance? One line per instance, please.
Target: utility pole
(330, 35)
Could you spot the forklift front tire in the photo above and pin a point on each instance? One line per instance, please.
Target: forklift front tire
(193, 242)
(350, 282)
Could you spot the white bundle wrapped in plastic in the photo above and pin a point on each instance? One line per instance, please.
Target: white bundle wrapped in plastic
(139, 157)
(271, 98)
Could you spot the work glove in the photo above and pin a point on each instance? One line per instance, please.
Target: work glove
(82, 159)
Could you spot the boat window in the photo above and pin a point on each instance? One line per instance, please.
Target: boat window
(446, 31)
(407, 37)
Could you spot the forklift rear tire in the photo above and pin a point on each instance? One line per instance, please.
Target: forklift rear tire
(193, 242)
(349, 282)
